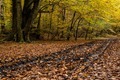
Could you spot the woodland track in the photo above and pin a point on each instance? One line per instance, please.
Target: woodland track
(67, 62)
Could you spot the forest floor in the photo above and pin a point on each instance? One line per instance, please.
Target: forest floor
(61, 60)
(10, 51)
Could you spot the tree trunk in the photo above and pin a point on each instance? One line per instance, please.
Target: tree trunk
(63, 13)
(2, 20)
(71, 26)
(17, 21)
(76, 31)
(39, 23)
(86, 33)
(50, 27)
(28, 20)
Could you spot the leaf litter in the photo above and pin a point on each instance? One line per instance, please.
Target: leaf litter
(63, 66)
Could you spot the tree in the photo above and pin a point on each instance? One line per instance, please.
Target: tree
(2, 20)
(17, 20)
(59, 19)
(24, 18)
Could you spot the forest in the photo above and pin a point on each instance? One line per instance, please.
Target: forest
(59, 39)
(23, 20)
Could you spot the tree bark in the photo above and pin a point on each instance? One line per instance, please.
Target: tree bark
(16, 21)
(71, 26)
(86, 33)
(28, 20)
(76, 31)
(2, 20)
(19, 21)
(39, 22)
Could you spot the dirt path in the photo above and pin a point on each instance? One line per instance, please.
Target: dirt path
(108, 66)
(70, 64)
(11, 51)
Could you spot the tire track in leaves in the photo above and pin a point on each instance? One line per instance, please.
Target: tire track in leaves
(25, 60)
(91, 58)
(69, 59)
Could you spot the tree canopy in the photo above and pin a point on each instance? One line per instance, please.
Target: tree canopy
(27, 20)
